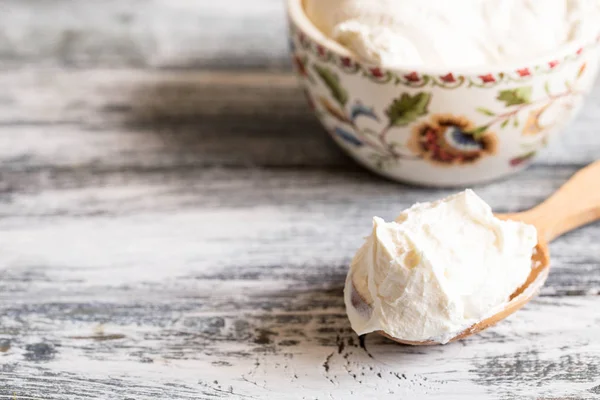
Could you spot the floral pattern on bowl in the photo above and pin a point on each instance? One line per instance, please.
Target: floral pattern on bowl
(442, 130)
(447, 140)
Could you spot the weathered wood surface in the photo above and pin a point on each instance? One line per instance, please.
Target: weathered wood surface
(186, 235)
(148, 33)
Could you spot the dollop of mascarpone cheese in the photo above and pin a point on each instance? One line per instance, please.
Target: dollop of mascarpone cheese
(458, 33)
(437, 269)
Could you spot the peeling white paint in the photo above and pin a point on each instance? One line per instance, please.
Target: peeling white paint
(144, 250)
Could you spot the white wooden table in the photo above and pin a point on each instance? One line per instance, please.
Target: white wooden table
(179, 234)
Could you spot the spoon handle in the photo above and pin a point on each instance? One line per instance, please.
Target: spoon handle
(575, 204)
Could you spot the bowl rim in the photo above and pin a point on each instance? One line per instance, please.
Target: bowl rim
(300, 20)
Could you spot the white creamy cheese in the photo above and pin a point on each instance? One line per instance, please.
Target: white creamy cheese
(438, 269)
(456, 33)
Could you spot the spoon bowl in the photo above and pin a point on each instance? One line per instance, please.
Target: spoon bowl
(575, 204)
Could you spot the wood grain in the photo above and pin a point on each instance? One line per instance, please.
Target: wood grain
(269, 341)
(187, 234)
(571, 207)
(120, 118)
(143, 33)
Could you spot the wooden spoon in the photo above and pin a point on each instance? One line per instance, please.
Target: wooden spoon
(575, 204)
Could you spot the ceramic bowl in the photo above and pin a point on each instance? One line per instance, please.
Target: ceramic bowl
(434, 127)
